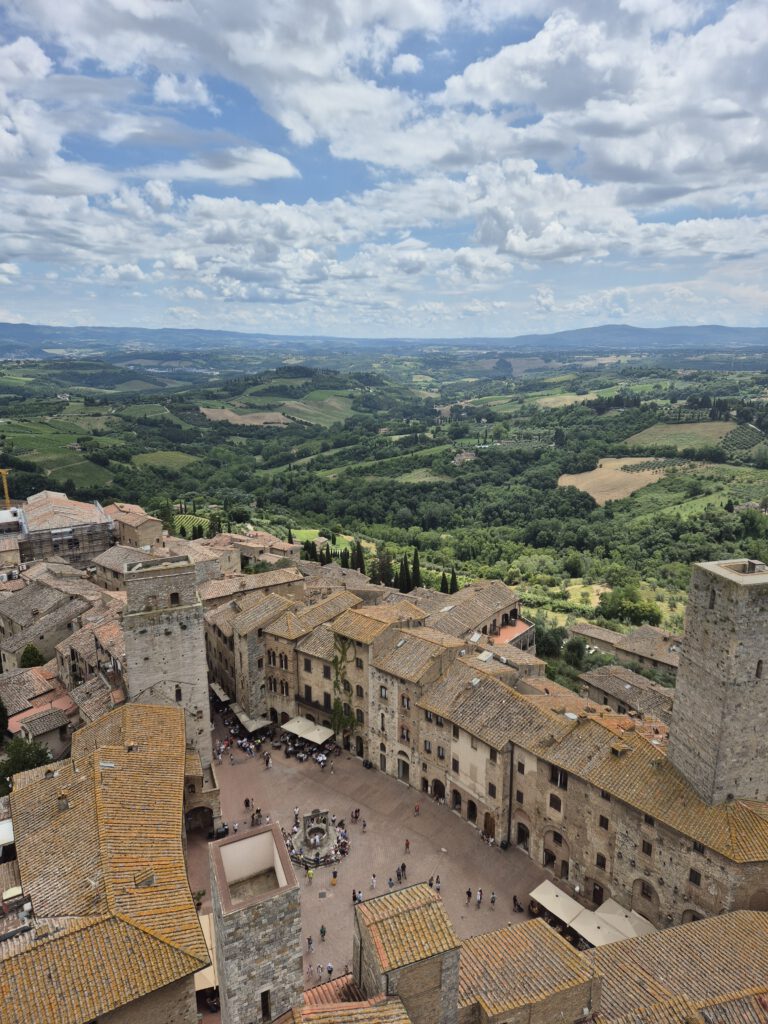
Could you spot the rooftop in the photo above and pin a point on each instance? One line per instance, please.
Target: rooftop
(633, 690)
(238, 583)
(53, 510)
(407, 926)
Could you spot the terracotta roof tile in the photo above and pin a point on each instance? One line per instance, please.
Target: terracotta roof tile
(408, 926)
(235, 584)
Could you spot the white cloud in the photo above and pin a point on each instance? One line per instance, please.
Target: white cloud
(407, 64)
(237, 166)
(182, 90)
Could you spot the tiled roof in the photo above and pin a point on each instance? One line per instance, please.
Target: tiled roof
(435, 636)
(609, 636)
(652, 642)
(112, 864)
(466, 610)
(707, 962)
(59, 616)
(93, 699)
(518, 966)
(323, 611)
(45, 721)
(53, 510)
(372, 1011)
(407, 926)
(30, 603)
(82, 641)
(118, 556)
(287, 627)
(111, 638)
(320, 643)
(340, 990)
(263, 610)
(634, 690)
(124, 507)
(235, 584)
(365, 623)
(409, 656)
(20, 687)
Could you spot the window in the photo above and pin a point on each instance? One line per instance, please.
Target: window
(491, 789)
(694, 877)
(271, 658)
(405, 734)
(439, 721)
(555, 802)
(603, 821)
(455, 765)
(759, 669)
(428, 716)
(647, 848)
(557, 839)
(441, 753)
(558, 777)
(266, 1010)
(493, 754)
(307, 664)
(178, 695)
(698, 847)
(406, 702)
(359, 692)
(383, 692)
(359, 716)
(358, 662)
(473, 742)
(600, 861)
(283, 661)
(308, 693)
(521, 767)
(519, 796)
(260, 663)
(428, 746)
(327, 701)
(383, 725)
(346, 709)
(456, 732)
(326, 671)
(646, 891)
(649, 820)
(605, 795)
(174, 598)
(711, 599)
(283, 688)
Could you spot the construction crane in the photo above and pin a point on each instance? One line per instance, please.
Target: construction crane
(4, 474)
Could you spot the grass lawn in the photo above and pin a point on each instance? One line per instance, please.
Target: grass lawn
(609, 482)
(682, 435)
(165, 460)
(421, 476)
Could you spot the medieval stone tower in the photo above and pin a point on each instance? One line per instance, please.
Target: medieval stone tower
(257, 926)
(718, 737)
(165, 643)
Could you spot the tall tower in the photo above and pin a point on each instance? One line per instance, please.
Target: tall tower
(718, 738)
(257, 926)
(165, 643)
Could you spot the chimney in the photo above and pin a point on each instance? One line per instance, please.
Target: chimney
(63, 800)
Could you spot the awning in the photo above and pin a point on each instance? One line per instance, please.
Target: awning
(628, 922)
(299, 726)
(248, 723)
(595, 930)
(319, 734)
(6, 832)
(556, 902)
(221, 694)
(208, 977)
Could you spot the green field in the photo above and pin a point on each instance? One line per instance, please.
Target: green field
(164, 460)
(322, 408)
(681, 435)
(422, 476)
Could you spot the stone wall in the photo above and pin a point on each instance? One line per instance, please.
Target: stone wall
(172, 1004)
(429, 989)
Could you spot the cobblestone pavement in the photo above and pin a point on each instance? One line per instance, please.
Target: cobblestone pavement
(441, 844)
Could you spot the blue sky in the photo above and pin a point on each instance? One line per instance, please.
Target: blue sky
(383, 167)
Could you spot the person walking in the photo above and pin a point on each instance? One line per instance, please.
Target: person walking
(354, 897)
(479, 898)
(319, 973)
(407, 845)
(493, 899)
(416, 810)
(310, 875)
(309, 943)
(399, 876)
(437, 885)
(390, 883)
(403, 872)
(469, 896)
(323, 933)
(431, 881)
(309, 970)
(359, 895)
(329, 969)
(365, 825)
(373, 881)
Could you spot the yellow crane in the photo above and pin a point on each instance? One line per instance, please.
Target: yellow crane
(4, 474)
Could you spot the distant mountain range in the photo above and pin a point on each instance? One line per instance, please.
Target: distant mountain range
(43, 341)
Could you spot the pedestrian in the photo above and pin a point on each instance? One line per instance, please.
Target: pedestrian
(517, 905)
(309, 970)
(354, 897)
(253, 819)
(469, 896)
(333, 820)
(402, 871)
(319, 973)
(437, 885)
(247, 803)
(231, 757)
(331, 767)
(329, 969)
(323, 933)
(479, 898)
(235, 826)
(407, 845)
(373, 881)
(309, 943)
(493, 899)
(399, 876)
(365, 824)
(416, 810)
(359, 895)
(390, 883)
(310, 875)
(431, 881)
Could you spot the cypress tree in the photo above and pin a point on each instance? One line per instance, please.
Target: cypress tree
(360, 556)
(345, 558)
(405, 576)
(290, 535)
(416, 569)
(444, 583)
(454, 586)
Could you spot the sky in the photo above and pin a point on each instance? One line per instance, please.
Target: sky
(376, 168)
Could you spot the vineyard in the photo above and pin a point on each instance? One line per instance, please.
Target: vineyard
(188, 521)
(741, 439)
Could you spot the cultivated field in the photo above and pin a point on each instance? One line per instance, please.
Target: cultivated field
(609, 482)
(682, 435)
(250, 419)
(164, 460)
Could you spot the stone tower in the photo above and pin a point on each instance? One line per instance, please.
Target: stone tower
(165, 643)
(718, 738)
(257, 926)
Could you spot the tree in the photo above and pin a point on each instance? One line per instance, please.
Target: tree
(575, 651)
(30, 657)
(359, 556)
(386, 573)
(454, 584)
(729, 506)
(20, 756)
(182, 530)
(416, 569)
(405, 575)
(341, 721)
(444, 583)
(214, 524)
(290, 535)
(3, 719)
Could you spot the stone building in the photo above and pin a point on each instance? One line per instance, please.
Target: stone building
(108, 569)
(54, 525)
(165, 643)
(647, 646)
(719, 735)
(257, 926)
(288, 582)
(620, 688)
(134, 527)
(114, 935)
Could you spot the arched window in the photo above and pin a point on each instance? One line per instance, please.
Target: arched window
(759, 669)
(174, 597)
(712, 598)
(178, 695)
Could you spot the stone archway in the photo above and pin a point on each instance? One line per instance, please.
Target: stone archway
(471, 811)
(523, 836)
(456, 800)
(438, 789)
(557, 853)
(284, 717)
(273, 715)
(645, 899)
(403, 767)
(359, 746)
(690, 915)
(489, 824)
(199, 818)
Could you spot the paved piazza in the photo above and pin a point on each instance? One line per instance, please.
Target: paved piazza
(441, 844)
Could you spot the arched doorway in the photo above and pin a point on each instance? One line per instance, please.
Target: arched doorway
(403, 767)
(359, 746)
(383, 757)
(273, 715)
(489, 825)
(645, 899)
(471, 811)
(759, 900)
(347, 741)
(424, 785)
(523, 836)
(310, 718)
(690, 915)
(557, 854)
(438, 789)
(199, 818)
(284, 717)
(456, 800)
